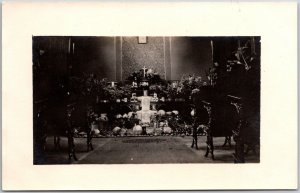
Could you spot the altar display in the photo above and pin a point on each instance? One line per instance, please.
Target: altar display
(213, 101)
(144, 101)
(127, 107)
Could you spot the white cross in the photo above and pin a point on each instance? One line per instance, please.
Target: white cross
(144, 70)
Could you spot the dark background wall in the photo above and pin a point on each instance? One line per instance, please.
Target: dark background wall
(115, 58)
(51, 53)
(94, 55)
(190, 55)
(50, 59)
(171, 57)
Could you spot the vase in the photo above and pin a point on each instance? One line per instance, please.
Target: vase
(154, 107)
(149, 130)
(95, 129)
(157, 131)
(167, 130)
(103, 115)
(145, 92)
(137, 130)
(116, 130)
(123, 132)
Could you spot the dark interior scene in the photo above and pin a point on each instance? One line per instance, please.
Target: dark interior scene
(146, 99)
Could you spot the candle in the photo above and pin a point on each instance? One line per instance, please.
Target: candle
(174, 84)
(69, 47)
(113, 84)
(144, 70)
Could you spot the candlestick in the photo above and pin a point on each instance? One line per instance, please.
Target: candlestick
(144, 70)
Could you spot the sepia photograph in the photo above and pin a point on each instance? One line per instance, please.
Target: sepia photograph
(146, 100)
(144, 96)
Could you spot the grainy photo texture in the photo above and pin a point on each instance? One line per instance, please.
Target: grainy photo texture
(146, 100)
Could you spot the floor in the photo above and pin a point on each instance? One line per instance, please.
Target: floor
(143, 150)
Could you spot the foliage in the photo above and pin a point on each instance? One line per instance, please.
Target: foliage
(160, 89)
(126, 90)
(188, 85)
(88, 85)
(152, 77)
(190, 82)
(113, 93)
(242, 56)
(174, 90)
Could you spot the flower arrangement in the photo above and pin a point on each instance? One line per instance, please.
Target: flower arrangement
(195, 91)
(187, 86)
(126, 90)
(87, 86)
(91, 88)
(174, 90)
(113, 92)
(159, 89)
(150, 75)
(190, 82)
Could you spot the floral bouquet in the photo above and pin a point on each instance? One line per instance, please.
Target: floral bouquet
(113, 92)
(159, 89)
(150, 75)
(87, 86)
(190, 84)
(126, 90)
(174, 90)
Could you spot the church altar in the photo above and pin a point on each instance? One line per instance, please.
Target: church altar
(142, 106)
(152, 114)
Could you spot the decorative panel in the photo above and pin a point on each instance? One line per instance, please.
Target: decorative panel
(135, 56)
